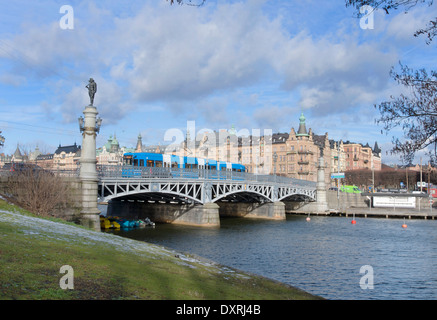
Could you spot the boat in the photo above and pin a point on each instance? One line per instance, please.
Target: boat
(148, 222)
(124, 223)
(106, 223)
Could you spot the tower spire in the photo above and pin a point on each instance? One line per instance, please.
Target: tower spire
(139, 147)
(302, 128)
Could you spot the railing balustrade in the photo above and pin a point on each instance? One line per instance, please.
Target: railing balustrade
(130, 172)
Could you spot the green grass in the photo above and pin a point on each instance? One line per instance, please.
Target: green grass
(32, 251)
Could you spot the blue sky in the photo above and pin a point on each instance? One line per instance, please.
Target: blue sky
(254, 64)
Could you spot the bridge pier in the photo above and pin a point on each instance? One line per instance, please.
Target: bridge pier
(206, 215)
(271, 210)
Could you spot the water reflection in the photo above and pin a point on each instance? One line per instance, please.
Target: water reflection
(322, 256)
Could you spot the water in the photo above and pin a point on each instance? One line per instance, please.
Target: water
(322, 256)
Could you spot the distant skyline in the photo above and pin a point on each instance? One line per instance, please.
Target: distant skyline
(254, 64)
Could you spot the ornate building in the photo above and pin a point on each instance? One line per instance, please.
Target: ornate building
(358, 156)
(111, 153)
(293, 154)
(66, 157)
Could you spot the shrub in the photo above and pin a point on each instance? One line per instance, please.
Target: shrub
(38, 191)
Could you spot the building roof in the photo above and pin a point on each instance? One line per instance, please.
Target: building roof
(68, 149)
(17, 153)
(279, 137)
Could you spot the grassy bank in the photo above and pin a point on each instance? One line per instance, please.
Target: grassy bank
(32, 251)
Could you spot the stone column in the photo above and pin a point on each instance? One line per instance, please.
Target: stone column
(88, 172)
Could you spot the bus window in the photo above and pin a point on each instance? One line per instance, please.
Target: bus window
(136, 162)
(150, 163)
(158, 164)
(174, 165)
(128, 161)
(141, 163)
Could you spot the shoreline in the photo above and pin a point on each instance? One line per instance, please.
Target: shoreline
(387, 213)
(110, 267)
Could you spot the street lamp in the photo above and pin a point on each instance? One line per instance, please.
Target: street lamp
(82, 124)
(2, 140)
(275, 158)
(98, 124)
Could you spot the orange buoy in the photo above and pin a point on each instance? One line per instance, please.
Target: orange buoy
(308, 219)
(404, 226)
(353, 222)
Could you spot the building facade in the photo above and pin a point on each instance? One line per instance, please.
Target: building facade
(293, 154)
(359, 157)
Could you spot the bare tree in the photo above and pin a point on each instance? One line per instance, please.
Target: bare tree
(39, 191)
(430, 30)
(416, 111)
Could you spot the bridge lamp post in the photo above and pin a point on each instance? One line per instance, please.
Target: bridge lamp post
(275, 158)
(207, 168)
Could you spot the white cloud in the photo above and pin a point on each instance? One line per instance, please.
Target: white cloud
(185, 57)
(403, 26)
(191, 53)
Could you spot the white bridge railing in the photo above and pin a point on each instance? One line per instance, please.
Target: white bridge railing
(130, 172)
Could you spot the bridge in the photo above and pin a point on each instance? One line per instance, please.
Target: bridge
(197, 196)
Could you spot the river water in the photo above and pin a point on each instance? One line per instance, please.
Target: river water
(323, 256)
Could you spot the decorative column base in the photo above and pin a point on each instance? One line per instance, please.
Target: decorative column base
(91, 221)
(90, 213)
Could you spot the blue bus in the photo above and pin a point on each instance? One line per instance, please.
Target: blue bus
(146, 159)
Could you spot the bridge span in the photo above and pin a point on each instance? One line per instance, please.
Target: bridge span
(197, 196)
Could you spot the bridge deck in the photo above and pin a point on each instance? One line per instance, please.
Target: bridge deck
(198, 185)
(130, 172)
